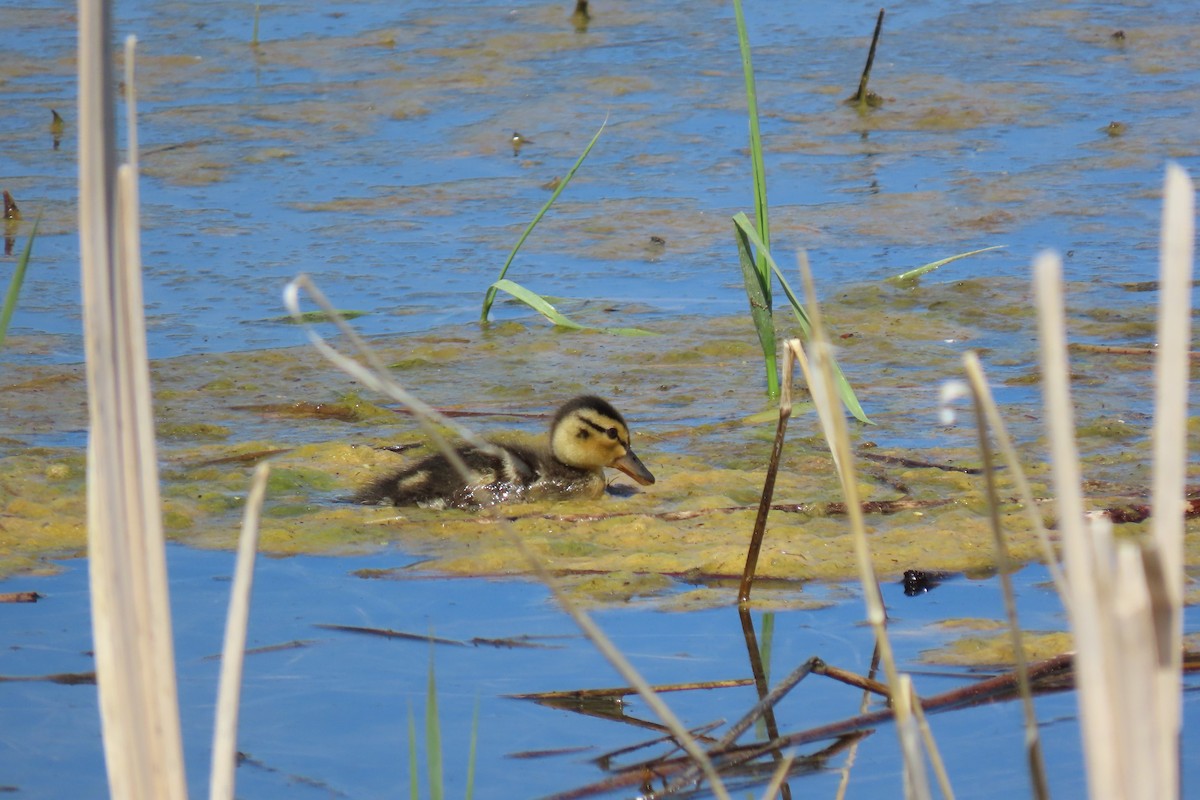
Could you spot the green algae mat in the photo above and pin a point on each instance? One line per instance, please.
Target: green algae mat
(693, 396)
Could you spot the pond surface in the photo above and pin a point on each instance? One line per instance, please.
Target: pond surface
(370, 145)
(327, 717)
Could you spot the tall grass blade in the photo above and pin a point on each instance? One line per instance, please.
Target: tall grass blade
(760, 295)
(433, 738)
(756, 150)
(1123, 615)
(233, 653)
(1097, 718)
(470, 792)
(490, 296)
(547, 310)
(845, 390)
(912, 275)
(14, 283)
(127, 566)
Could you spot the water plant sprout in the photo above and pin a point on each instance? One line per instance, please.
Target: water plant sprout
(15, 282)
(529, 297)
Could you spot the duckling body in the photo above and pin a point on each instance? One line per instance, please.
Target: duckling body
(586, 435)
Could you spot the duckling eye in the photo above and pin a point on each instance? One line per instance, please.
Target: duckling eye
(612, 433)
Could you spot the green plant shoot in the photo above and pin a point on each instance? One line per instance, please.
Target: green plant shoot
(14, 284)
(547, 310)
(912, 275)
(433, 747)
(748, 237)
(433, 739)
(490, 295)
(758, 289)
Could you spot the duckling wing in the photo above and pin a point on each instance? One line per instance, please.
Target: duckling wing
(434, 482)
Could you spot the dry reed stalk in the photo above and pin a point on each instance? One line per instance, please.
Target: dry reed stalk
(833, 423)
(1033, 749)
(233, 653)
(1124, 598)
(1171, 371)
(127, 566)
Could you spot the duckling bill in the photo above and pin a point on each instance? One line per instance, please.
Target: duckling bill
(586, 435)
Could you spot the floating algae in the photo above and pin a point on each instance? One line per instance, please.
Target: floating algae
(688, 395)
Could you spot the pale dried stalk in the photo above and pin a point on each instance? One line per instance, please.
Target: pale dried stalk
(127, 567)
(833, 423)
(233, 653)
(1124, 599)
(779, 776)
(1093, 651)
(981, 398)
(908, 729)
(995, 422)
(1171, 371)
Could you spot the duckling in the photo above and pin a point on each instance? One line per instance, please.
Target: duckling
(586, 435)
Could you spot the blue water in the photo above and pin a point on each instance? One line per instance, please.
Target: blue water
(329, 719)
(389, 106)
(368, 144)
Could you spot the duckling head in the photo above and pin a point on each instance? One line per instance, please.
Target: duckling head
(588, 433)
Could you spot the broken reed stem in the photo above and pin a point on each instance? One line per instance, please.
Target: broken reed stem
(766, 703)
(1033, 748)
(375, 376)
(127, 567)
(617, 659)
(233, 653)
(768, 492)
(861, 95)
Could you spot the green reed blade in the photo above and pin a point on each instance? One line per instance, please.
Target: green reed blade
(433, 739)
(470, 793)
(490, 296)
(414, 785)
(14, 284)
(547, 310)
(913, 274)
(756, 151)
(845, 391)
(760, 308)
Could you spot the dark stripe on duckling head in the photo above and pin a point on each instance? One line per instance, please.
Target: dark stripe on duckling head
(589, 402)
(610, 432)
